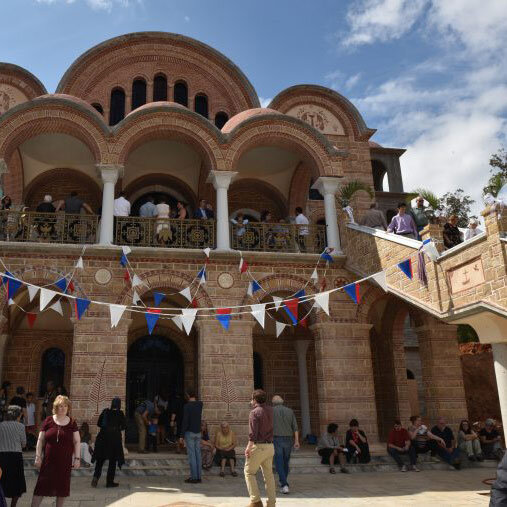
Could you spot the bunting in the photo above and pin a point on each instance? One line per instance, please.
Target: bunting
(136, 281)
(135, 298)
(315, 276)
(352, 289)
(277, 301)
(32, 292)
(223, 316)
(243, 266)
(202, 275)
(79, 263)
(325, 256)
(31, 317)
(62, 285)
(116, 312)
(406, 267)
(46, 295)
(187, 318)
(158, 297)
(322, 301)
(253, 287)
(126, 249)
(13, 286)
(280, 326)
(291, 309)
(380, 279)
(259, 312)
(177, 321)
(152, 315)
(126, 276)
(7, 276)
(123, 260)
(207, 251)
(10, 302)
(430, 249)
(186, 293)
(80, 305)
(57, 307)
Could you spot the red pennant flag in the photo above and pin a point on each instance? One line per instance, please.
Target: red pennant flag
(243, 266)
(291, 307)
(194, 303)
(126, 276)
(31, 317)
(304, 322)
(70, 287)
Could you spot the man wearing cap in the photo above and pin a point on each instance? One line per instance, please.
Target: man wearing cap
(491, 441)
(472, 230)
(285, 436)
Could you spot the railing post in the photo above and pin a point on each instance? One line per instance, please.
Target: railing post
(109, 174)
(327, 186)
(221, 181)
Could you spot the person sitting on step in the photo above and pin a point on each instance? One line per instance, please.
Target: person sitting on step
(357, 444)
(469, 442)
(330, 450)
(399, 443)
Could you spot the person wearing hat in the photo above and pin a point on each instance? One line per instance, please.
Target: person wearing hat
(473, 229)
(491, 441)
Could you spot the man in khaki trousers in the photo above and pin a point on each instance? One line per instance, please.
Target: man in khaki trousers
(260, 451)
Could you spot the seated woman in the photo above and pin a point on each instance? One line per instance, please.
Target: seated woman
(357, 444)
(468, 442)
(225, 442)
(207, 449)
(330, 450)
(86, 440)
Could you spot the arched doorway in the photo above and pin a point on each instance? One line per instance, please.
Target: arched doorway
(158, 197)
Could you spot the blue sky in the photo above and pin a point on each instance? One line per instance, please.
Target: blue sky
(430, 75)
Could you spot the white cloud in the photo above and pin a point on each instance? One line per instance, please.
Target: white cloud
(339, 81)
(265, 101)
(352, 81)
(187, 19)
(105, 5)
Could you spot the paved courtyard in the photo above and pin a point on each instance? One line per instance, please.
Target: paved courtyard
(428, 488)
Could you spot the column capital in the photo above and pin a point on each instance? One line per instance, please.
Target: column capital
(221, 179)
(327, 185)
(3, 166)
(110, 172)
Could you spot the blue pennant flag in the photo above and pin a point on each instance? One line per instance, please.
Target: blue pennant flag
(352, 289)
(158, 297)
(224, 317)
(291, 308)
(81, 305)
(255, 286)
(202, 274)
(62, 284)
(5, 279)
(406, 267)
(123, 260)
(12, 288)
(300, 294)
(326, 257)
(152, 316)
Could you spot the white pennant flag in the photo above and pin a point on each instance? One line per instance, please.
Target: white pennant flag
(79, 263)
(279, 328)
(277, 301)
(177, 321)
(136, 281)
(135, 298)
(57, 307)
(430, 250)
(187, 318)
(126, 249)
(186, 293)
(250, 289)
(46, 295)
(10, 302)
(259, 312)
(32, 291)
(380, 278)
(322, 300)
(116, 313)
(315, 276)
(207, 251)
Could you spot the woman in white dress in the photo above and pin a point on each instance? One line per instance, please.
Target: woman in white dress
(163, 229)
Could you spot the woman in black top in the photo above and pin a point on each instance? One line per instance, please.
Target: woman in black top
(452, 236)
(357, 444)
(108, 445)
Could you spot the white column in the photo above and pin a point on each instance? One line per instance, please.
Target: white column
(109, 175)
(327, 186)
(500, 359)
(301, 347)
(221, 181)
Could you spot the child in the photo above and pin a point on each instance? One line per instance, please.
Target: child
(30, 421)
(152, 434)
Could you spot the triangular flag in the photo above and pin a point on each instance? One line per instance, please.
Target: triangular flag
(380, 278)
(194, 303)
(322, 300)
(224, 317)
(116, 312)
(291, 308)
(253, 287)
(406, 267)
(177, 320)
(32, 292)
(57, 307)
(123, 260)
(46, 295)
(152, 316)
(31, 317)
(126, 276)
(277, 301)
(81, 305)
(325, 256)
(187, 318)
(8, 275)
(135, 298)
(186, 293)
(304, 322)
(279, 328)
(10, 302)
(300, 294)
(259, 312)
(243, 265)
(207, 251)
(79, 263)
(136, 281)
(158, 297)
(202, 275)
(12, 287)
(126, 249)
(315, 276)
(352, 289)
(62, 284)
(70, 287)
(430, 249)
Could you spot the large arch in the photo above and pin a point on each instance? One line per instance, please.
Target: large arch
(17, 85)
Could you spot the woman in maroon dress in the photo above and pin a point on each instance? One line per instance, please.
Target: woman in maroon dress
(59, 439)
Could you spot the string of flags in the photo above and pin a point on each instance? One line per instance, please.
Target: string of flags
(50, 299)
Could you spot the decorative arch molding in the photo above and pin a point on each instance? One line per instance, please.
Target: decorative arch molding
(299, 185)
(17, 83)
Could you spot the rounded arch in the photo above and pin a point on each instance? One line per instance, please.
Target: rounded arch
(54, 114)
(18, 77)
(379, 170)
(161, 120)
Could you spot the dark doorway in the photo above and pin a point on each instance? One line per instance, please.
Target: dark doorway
(257, 373)
(158, 196)
(52, 368)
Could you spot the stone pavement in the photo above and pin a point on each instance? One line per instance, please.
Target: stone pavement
(428, 488)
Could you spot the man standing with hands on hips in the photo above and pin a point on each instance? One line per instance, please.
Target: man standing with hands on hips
(260, 451)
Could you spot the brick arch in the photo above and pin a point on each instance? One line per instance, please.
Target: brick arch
(299, 186)
(59, 183)
(258, 195)
(14, 181)
(20, 78)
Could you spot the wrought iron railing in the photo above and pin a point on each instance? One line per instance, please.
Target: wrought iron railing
(164, 232)
(60, 227)
(278, 237)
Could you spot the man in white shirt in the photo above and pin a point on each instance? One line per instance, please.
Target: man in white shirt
(303, 231)
(121, 206)
(473, 229)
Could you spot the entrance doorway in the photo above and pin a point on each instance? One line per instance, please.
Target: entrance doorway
(158, 197)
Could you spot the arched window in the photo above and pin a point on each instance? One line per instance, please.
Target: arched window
(410, 374)
(257, 373)
(379, 171)
(201, 105)
(138, 93)
(181, 93)
(98, 107)
(52, 368)
(221, 119)
(160, 88)
(117, 107)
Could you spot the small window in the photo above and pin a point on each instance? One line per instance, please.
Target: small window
(181, 93)
(98, 107)
(201, 105)
(117, 107)
(138, 93)
(160, 88)
(220, 120)
(52, 368)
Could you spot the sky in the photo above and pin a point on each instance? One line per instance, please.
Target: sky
(429, 75)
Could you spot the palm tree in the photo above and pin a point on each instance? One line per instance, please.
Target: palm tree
(427, 195)
(347, 191)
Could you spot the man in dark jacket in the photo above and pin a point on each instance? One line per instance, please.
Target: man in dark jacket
(191, 433)
(499, 488)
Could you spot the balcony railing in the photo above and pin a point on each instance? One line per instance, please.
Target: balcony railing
(278, 237)
(19, 225)
(164, 232)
